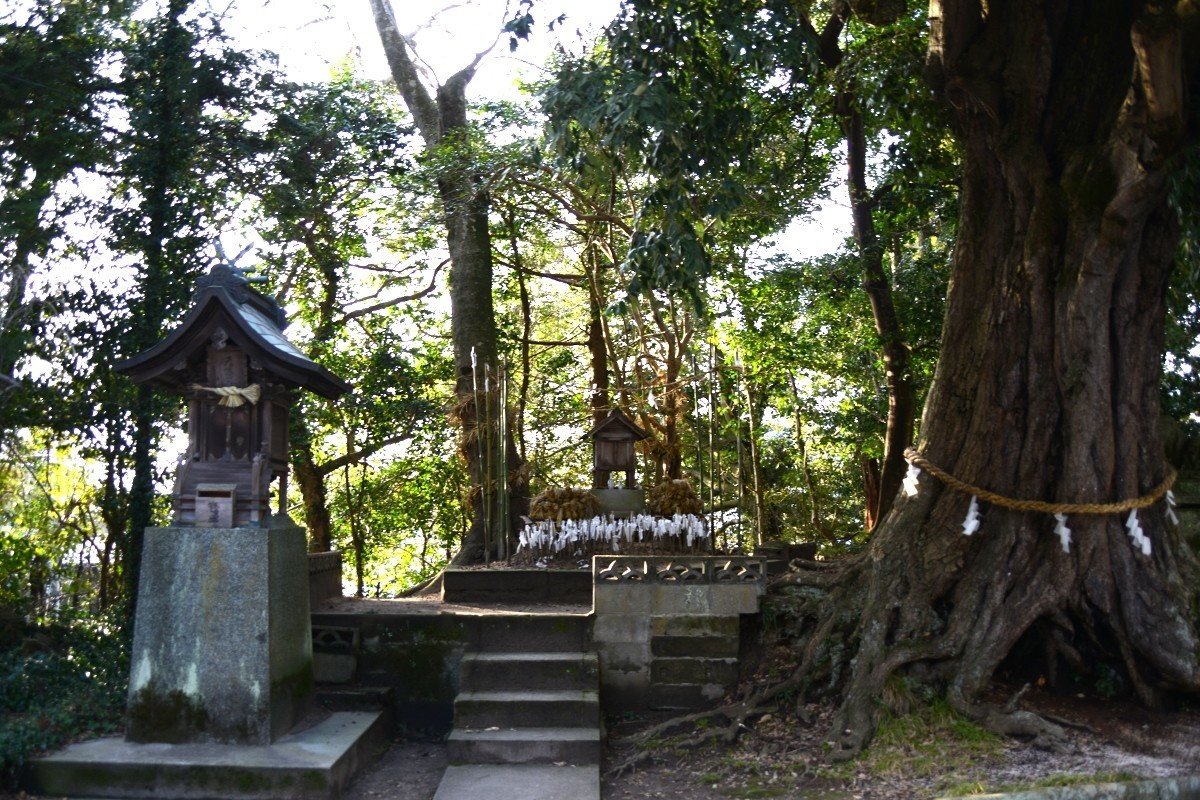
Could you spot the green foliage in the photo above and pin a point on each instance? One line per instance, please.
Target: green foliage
(63, 683)
(691, 92)
(53, 99)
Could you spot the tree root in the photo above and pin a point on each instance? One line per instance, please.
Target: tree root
(1008, 720)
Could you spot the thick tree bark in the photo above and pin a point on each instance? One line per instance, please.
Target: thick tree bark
(878, 286)
(1048, 383)
(442, 120)
(311, 481)
(1047, 387)
(601, 401)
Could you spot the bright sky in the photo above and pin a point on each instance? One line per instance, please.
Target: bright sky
(311, 36)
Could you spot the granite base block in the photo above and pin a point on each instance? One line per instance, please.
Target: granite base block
(313, 764)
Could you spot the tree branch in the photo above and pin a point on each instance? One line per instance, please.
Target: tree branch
(395, 301)
(358, 455)
(404, 72)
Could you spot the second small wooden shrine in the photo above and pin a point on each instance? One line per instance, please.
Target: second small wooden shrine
(613, 441)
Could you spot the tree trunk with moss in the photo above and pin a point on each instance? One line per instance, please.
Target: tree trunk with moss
(1048, 383)
(1047, 387)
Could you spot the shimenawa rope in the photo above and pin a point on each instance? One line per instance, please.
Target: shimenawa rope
(1145, 501)
(232, 396)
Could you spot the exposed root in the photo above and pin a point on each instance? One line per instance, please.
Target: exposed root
(1010, 721)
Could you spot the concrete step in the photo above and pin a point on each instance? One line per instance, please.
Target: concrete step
(552, 708)
(525, 746)
(355, 698)
(500, 671)
(519, 782)
(536, 633)
(517, 586)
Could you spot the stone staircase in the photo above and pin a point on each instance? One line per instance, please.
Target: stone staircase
(527, 719)
(529, 695)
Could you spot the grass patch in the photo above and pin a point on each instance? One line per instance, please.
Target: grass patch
(931, 741)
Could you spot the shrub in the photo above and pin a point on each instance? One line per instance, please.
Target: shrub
(61, 683)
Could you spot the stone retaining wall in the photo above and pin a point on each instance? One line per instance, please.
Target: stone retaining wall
(324, 577)
(668, 629)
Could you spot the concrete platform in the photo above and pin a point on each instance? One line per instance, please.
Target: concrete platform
(314, 763)
(519, 782)
(517, 586)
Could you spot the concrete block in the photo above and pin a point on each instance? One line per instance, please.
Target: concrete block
(694, 625)
(610, 627)
(523, 781)
(687, 598)
(527, 709)
(723, 671)
(694, 647)
(524, 746)
(222, 647)
(333, 668)
(535, 633)
(733, 599)
(497, 671)
(623, 657)
(624, 597)
(684, 696)
(625, 693)
(314, 764)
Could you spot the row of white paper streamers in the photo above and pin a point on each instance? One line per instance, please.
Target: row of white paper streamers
(549, 535)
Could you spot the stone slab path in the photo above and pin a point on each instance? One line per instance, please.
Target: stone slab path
(519, 782)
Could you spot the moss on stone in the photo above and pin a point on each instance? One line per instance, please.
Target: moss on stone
(170, 717)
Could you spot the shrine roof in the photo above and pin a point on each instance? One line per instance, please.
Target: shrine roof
(225, 301)
(617, 419)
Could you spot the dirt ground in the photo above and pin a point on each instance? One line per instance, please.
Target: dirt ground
(930, 753)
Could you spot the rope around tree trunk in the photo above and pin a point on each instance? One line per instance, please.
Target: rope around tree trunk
(1145, 501)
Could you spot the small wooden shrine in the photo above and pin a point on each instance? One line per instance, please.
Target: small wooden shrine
(612, 448)
(230, 359)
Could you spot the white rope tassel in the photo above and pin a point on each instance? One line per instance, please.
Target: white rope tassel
(1171, 515)
(1135, 533)
(1063, 532)
(971, 523)
(911, 479)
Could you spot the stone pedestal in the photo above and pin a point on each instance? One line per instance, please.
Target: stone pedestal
(621, 502)
(222, 644)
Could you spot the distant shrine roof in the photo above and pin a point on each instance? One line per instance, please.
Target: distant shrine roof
(224, 300)
(618, 419)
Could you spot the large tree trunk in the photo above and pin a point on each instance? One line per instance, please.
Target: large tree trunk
(1047, 387)
(442, 121)
(1048, 383)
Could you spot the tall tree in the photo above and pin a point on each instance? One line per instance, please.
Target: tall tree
(172, 178)
(52, 105)
(1071, 117)
(442, 120)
